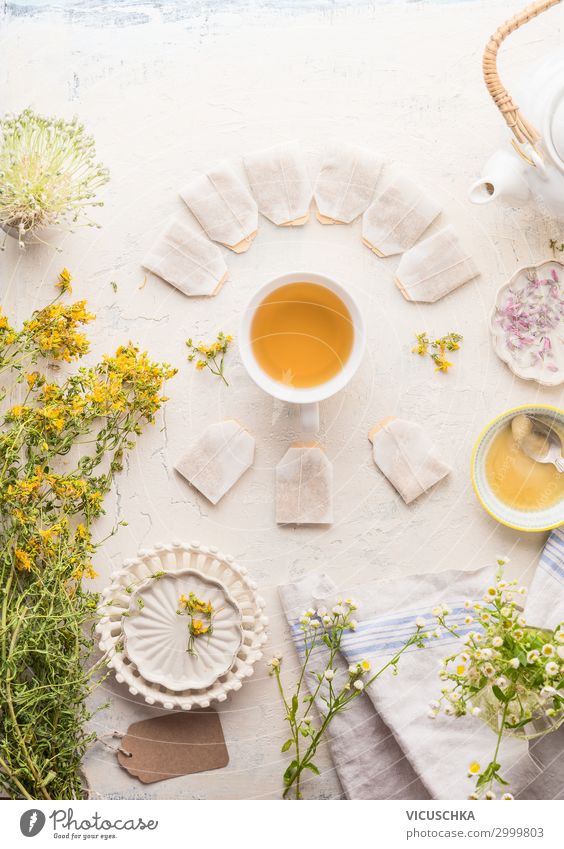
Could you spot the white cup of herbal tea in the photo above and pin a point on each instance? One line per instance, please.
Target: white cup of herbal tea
(301, 339)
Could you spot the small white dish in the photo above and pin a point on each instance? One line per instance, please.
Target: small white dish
(156, 636)
(521, 520)
(530, 363)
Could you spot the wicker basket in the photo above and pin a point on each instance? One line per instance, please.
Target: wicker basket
(524, 132)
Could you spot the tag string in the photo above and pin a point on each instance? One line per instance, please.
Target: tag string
(115, 735)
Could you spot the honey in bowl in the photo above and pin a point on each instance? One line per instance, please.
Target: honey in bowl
(519, 481)
(302, 334)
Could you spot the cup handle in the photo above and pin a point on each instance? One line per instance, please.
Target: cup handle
(309, 417)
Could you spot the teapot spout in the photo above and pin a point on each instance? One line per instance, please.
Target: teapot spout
(503, 178)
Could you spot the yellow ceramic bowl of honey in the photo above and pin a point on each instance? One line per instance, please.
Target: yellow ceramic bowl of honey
(516, 490)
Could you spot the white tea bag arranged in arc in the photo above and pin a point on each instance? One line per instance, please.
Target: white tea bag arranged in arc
(218, 458)
(280, 184)
(398, 217)
(434, 267)
(304, 486)
(224, 207)
(186, 260)
(346, 184)
(407, 456)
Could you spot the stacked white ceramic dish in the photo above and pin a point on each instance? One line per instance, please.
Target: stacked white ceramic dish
(181, 559)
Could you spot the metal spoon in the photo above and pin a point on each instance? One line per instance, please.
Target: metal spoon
(553, 453)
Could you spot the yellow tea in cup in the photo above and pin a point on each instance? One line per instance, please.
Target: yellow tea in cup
(302, 334)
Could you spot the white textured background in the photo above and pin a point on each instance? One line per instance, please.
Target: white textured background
(171, 89)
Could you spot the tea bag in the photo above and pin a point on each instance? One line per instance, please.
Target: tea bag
(346, 183)
(398, 217)
(280, 184)
(434, 267)
(218, 458)
(169, 746)
(186, 260)
(304, 486)
(404, 452)
(224, 207)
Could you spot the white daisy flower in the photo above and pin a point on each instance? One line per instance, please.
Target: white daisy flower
(329, 674)
(419, 622)
(551, 668)
(533, 655)
(560, 652)
(497, 642)
(358, 685)
(548, 650)
(515, 663)
(507, 796)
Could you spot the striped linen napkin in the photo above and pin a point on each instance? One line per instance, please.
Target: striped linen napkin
(388, 747)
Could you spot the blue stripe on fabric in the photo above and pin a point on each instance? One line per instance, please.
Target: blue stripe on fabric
(552, 558)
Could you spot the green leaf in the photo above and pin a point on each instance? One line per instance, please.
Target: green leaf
(312, 768)
(499, 694)
(290, 772)
(286, 745)
(295, 704)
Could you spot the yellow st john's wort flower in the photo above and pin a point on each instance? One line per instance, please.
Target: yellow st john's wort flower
(23, 560)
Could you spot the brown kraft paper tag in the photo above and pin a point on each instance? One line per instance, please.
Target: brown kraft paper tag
(173, 745)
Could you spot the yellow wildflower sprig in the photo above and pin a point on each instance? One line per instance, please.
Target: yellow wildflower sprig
(199, 614)
(210, 356)
(48, 507)
(437, 348)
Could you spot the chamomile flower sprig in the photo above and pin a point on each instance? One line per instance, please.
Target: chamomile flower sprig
(507, 673)
(330, 690)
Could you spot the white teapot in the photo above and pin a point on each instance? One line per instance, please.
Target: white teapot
(534, 170)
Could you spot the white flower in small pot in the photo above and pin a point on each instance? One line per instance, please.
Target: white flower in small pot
(509, 675)
(48, 174)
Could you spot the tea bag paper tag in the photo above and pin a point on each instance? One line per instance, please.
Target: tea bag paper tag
(173, 745)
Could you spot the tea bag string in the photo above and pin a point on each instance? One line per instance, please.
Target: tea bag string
(402, 219)
(345, 192)
(114, 735)
(285, 182)
(228, 205)
(224, 445)
(191, 258)
(440, 271)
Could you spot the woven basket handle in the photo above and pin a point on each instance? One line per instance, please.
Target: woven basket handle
(523, 131)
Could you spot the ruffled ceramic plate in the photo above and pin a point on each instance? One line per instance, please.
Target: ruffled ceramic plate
(156, 635)
(206, 560)
(527, 323)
